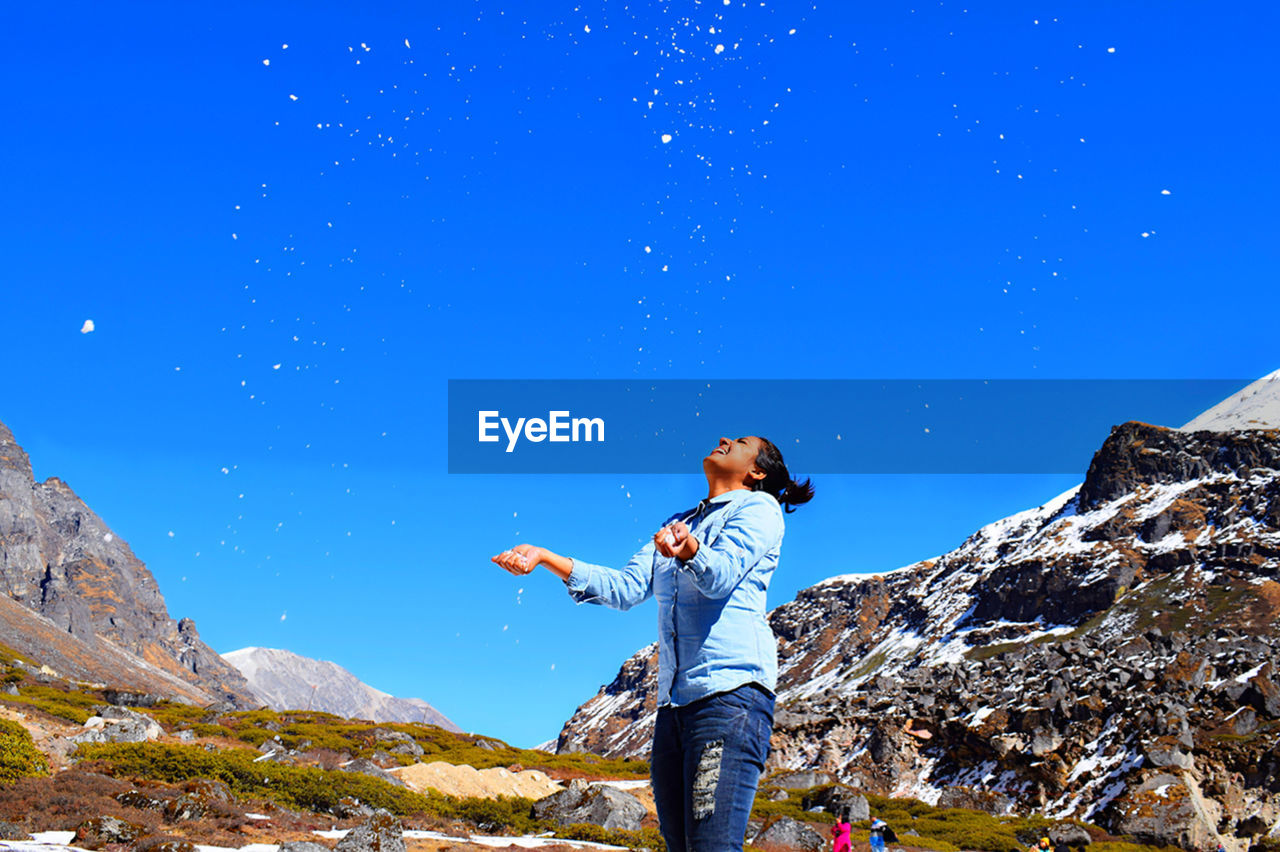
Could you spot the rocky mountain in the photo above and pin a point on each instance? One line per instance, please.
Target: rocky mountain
(284, 680)
(1111, 654)
(78, 600)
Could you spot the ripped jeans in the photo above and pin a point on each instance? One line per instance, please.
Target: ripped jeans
(706, 765)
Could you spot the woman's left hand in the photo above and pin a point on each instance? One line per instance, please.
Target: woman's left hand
(676, 542)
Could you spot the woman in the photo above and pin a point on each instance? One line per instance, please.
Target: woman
(709, 568)
(840, 834)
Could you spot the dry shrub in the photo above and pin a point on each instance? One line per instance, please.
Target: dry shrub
(67, 799)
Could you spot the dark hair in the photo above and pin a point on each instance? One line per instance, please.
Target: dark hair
(777, 481)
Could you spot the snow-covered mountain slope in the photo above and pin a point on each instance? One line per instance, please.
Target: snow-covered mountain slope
(284, 680)
(1255, 407)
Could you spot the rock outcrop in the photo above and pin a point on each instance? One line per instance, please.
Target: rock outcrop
(59, 561)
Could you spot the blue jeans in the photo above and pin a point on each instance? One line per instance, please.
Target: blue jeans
(706, 764)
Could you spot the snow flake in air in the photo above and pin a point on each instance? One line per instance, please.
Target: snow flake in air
(1165, 192)
(266, 62)
(284, 615)
(293, 97)
(719, 49)
(406, 43)
(666, 138)
(87, 327)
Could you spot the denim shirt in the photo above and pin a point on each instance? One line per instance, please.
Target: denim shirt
(713, 635)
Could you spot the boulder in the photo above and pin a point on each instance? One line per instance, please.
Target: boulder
(997, 804)
(9, 831)
(185, 807)
(410, 748)
(802, 780)
(786, 831)
(122, 698)
(98, 832)
(1070, 834)
(349, 807)
(382, 833)
(303, 846)
(99, 730)
(839, 800)
(592, 803)
(140, 800)
(368, 767)
(1161, 812)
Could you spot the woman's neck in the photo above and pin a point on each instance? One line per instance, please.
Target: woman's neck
(715, 489)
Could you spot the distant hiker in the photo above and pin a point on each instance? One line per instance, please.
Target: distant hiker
(709, 568)
(1221, 848)
(879, 834)
(1061, 846)
(1044, 845)
(840, 840)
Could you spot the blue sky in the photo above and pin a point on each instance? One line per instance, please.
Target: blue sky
(281, 288)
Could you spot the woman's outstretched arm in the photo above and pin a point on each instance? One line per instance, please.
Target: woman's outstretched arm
(587, 583)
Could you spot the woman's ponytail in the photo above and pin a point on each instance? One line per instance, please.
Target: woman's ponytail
(777, 480)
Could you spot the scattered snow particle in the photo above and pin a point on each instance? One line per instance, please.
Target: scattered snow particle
(1165, 192)
(235, 236)
(1111, 50)
(515, 514)
(793, 32)
(504, 627)
(170, 533)
(108, 537)
(284, 615)
(719, 48)
(293, 97)
(553, 665)
(647, 250)
(275, 366)
(87, 327)
(406, 43)
(266, 62)
(666, 138)
(586, 28)
(284, 47)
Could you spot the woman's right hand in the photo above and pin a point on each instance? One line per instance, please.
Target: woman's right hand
(521, 559)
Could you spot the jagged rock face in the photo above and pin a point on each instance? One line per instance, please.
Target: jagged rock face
(1057, 660)
(60, 560)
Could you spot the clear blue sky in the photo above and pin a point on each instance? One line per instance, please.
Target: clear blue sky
(280, 288)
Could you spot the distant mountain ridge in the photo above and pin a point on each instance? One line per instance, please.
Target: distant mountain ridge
(81, 603)
(1113, 654)
(284, 680)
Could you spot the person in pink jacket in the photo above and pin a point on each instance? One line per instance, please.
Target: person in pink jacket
(840, 841)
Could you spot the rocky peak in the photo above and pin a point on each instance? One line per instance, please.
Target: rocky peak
(60, 560)
(1136, 454)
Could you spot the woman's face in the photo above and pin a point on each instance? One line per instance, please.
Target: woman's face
(733, 458)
